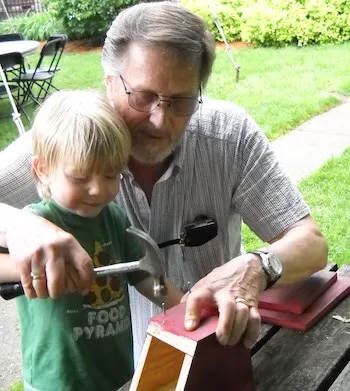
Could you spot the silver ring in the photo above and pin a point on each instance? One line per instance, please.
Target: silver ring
(242, 300)
(37, 276)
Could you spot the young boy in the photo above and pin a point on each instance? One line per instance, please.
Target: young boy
(77, 343)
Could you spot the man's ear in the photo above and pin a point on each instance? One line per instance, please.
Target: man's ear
(108, 84)
(40, 169)
(108, 80)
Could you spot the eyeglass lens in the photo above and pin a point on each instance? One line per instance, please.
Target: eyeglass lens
(147, 102)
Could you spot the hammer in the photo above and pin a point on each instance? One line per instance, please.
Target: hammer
(152, 263)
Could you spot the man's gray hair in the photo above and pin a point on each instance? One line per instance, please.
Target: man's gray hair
(167, 24)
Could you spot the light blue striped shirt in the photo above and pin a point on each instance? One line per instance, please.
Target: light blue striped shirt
(224, 169)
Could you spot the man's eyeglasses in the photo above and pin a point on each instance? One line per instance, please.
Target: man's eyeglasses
(146, 102)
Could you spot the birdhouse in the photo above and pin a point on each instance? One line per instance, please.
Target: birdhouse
(173, 359)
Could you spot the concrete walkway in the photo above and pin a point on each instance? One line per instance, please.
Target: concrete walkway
(305, 149)
(301, 151)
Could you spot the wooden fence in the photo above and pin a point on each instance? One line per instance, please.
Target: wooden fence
(12, 8)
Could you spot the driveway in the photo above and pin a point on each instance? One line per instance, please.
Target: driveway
(10, 357)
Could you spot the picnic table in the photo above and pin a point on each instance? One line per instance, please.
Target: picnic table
(315, 360)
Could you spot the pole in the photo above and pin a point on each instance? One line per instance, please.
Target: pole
(16, 116)
(221, 31)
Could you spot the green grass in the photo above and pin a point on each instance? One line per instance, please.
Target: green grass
(78, 71)
(280, 88)
(327, 193)
(17, 386)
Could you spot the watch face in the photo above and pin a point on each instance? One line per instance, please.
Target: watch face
(275, 264)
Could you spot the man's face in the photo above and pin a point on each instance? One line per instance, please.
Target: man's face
(155, 134)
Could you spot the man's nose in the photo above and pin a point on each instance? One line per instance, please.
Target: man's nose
(160, 116)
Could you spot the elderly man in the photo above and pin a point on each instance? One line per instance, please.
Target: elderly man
(191, 156)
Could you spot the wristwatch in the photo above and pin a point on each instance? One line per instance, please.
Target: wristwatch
(271, 265)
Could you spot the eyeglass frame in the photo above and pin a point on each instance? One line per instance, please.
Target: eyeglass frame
(169, 99)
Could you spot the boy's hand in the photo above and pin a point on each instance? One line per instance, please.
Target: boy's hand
(50, 261)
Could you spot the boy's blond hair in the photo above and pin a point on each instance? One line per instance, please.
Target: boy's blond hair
(82, 129)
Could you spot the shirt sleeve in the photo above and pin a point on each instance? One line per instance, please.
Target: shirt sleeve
(264, 195)
(17, 185)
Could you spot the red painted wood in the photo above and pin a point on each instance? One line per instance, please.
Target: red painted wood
(173, 322)
(217, 367)
(214, 366)
(314, 313)
(298, 297)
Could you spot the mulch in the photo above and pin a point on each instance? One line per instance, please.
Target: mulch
(83, 46)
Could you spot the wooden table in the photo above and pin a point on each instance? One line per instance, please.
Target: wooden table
(25, 47)
(316, 360)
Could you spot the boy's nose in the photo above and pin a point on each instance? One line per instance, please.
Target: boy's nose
(96, 187)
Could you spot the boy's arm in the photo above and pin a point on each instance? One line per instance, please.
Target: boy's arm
(173, 296)
(8, 269)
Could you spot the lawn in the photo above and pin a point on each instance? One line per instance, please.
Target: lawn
(327, 193)
(281, 88)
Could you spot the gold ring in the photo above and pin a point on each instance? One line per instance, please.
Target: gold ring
(242, 300)
(37, 276)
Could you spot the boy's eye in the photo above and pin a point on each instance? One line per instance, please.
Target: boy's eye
(112, 176)
(79, 179)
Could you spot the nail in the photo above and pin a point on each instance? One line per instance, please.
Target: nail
(223, 340)
(190, 324)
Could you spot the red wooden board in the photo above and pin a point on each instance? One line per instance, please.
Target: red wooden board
(314, 313)
(173, 322)
(213, 366)
(298, 297)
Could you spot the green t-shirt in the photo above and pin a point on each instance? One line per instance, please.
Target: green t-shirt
(77, 343)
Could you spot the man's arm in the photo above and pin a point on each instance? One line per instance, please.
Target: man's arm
(40, 247)
(302, 250)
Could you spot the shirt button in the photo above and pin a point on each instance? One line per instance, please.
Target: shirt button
(139, 196)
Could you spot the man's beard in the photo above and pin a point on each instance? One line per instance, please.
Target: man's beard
(149, 154)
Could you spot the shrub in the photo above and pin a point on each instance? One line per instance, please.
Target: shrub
(37, 26)
(228, 12)
(86, 18)
(270, 22)
(279, 22)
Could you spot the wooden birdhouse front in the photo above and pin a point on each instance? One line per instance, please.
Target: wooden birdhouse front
(173, 359)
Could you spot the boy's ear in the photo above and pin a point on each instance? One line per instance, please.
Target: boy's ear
(40, 169)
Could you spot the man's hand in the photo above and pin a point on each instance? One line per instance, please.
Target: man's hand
(50, 261)
(233, 289)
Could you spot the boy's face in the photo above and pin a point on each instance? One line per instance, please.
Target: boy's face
(84, 195)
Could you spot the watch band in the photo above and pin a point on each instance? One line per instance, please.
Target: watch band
(271, 277)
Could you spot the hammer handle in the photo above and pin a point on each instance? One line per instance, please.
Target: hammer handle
(10, 290)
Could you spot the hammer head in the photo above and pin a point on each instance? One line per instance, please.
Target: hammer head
(152, 262)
